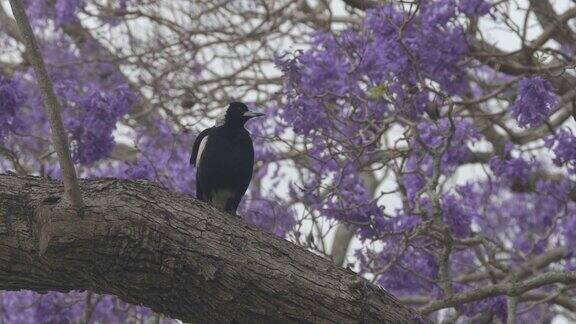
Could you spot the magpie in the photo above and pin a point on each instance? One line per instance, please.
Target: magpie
(224, 158)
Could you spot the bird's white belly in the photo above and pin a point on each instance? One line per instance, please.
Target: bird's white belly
(221, 197)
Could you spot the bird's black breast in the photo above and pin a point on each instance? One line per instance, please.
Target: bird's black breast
(227, 160)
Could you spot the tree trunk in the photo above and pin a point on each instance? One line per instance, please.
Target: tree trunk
(175, 255)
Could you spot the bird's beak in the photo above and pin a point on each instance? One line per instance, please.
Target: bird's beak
(252, 114)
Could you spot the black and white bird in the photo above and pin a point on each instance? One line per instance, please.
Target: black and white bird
(224, 159)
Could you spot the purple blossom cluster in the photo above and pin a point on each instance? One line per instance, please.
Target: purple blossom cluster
(563, 144)
(354, 78)
(431, 47)
(268, 214)
(454, 137)
(163, 157)
(66, 10)
(59, 308)
(60, 12)
(458, 214)
(11, 99)
(513, 170)
(98, 114)
(399, 278)
(91, 107)
(536, 98)
(530, 217)
(347, 78)
(433, 137)
(474, 8)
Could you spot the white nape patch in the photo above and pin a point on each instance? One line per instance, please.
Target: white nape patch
(200, 151)
(220, 198)
(221, 118)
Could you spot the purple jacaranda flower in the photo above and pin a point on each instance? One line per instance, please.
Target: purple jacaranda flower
(563, 144)
(474, 8)
(536, 98)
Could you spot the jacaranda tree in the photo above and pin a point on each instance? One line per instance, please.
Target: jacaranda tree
(404, 139)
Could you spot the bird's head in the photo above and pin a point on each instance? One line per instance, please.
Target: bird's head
(237, 114)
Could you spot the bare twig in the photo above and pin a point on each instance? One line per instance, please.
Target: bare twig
(509, 289)
(50, 103)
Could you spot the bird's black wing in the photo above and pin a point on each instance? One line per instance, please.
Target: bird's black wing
(200, 191)
(197, 142)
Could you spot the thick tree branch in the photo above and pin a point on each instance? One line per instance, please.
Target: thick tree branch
(552, 28)
(549, 19)
(342, 239)
(51, 104)
(176, 255)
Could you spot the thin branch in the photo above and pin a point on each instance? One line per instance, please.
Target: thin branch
(509, 289)
(511, 305)
(362, 4)
(50, 103)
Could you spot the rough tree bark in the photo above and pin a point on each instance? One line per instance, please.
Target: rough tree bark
(175, 255)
